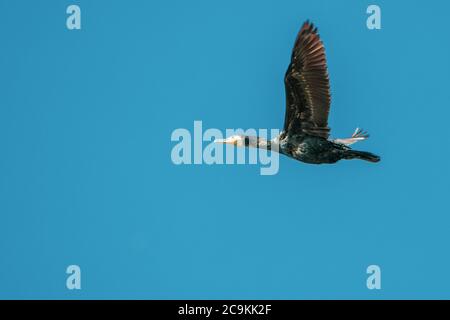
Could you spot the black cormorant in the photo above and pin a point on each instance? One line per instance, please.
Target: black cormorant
(305, 133)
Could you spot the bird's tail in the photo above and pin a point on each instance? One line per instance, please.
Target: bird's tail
(363, 155)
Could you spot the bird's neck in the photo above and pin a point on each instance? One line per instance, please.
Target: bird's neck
(261, 143)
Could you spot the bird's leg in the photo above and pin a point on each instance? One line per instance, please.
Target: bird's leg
(358, 135)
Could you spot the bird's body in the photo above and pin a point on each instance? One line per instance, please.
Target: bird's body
(305, 136)
(317, 150)
(311, 149)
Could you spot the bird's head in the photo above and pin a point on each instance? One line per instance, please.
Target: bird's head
(246, 141)
(236, 140)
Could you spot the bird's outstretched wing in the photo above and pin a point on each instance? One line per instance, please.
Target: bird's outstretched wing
(307, 86)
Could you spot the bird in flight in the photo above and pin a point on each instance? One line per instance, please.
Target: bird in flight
(305, 135)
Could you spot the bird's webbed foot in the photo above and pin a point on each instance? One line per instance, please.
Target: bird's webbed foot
(358, 135)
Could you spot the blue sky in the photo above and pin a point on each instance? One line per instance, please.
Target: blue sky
(85, 123)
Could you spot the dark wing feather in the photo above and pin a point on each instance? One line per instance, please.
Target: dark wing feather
(307, 86)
